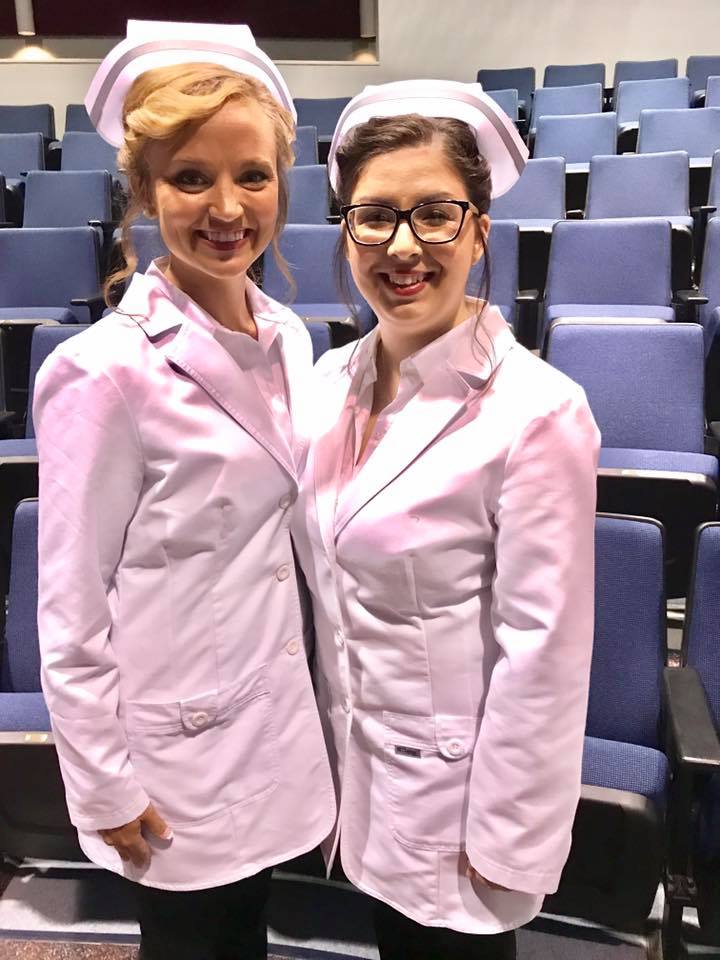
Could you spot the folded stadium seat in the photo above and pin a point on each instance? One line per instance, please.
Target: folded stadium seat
(503, 244)
(644, 70)
(310, 250)
(653, 439)
(77, 119)
(521, 79)
(309, 197)
(148, 243)
(609, 268)
(701, 654)
(49, 273)
(71, 199)
(322, 113)
(535, 204)
(697, 71)
(709, 315)
(615, 862)
(306, 146)
(33, 118)
(84, 150)
(569, 75)
(4, 222)
(565, 101)
(647, 185)
(577, 139)
(19, 153)
(507, 100)
(633, 96)
(34, 821)
(695, 131)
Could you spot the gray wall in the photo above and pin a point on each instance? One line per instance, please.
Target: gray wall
(435, 38)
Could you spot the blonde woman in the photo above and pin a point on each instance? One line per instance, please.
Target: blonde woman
(169, 437)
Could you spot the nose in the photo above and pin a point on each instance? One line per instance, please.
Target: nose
(225, 201)
(404, 244)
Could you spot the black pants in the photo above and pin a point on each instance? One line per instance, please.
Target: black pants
(400, 938)
(222, 923)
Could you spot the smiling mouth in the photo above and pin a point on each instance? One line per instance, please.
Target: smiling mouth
(406, 284)
(224, 239)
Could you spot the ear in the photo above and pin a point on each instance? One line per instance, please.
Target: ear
(482, 231)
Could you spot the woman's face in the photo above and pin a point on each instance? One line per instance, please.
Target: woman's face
(215, 193)
(435, 300)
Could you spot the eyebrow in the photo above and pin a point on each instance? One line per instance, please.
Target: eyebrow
(388, 202)
(200, 162)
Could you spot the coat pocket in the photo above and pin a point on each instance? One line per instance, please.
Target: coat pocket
(428, 761)
(197, 757)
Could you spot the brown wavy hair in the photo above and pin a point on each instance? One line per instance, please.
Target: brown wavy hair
(379, 136)
(163, 104)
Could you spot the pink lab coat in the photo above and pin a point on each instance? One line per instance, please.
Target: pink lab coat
(452, 582)
(169, 613)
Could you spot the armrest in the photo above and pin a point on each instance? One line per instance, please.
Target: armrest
(527, 296)
(333, 218)
(95, 304)
(711, 442)
(574, 214)
(690, 300)
(6, 223)
(715, 429)
(690, 726)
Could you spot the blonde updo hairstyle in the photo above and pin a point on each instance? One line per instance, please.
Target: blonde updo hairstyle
(166, 103)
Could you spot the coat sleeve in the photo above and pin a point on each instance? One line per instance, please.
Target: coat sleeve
(525, 781)
(91, 471)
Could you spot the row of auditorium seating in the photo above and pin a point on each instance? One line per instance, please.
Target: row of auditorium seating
(650, 800)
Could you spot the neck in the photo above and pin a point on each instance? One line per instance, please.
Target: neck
(224, 300)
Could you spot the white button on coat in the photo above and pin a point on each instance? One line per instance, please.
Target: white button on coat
(163, 667)
(283, 572)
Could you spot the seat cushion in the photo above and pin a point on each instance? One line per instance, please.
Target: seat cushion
(619, 458)
(641, 311)
(60, 314)
(18, 448)
(625, 766)
(23, 712)
(318, 310)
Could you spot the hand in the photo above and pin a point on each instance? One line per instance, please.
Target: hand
(472, 874)
(128, 840)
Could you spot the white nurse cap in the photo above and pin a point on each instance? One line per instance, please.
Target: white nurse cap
(497, 138)
(155, 43)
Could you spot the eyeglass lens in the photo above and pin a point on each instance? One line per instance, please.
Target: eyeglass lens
(432, 222)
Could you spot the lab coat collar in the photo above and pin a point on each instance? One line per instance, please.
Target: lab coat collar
(185, 333)
(453, 369)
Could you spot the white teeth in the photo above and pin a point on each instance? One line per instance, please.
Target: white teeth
(405, 279)
(218, 236)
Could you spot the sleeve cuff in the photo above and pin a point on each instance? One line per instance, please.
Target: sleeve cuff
(115, 816)
(523, 881)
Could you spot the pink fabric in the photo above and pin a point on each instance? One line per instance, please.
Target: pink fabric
(169, 614)
(452, 583)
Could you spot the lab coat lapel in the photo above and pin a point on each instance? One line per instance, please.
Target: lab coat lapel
(413, 429)
(328, 452)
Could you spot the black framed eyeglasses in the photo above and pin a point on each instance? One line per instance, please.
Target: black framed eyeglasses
(371, 224)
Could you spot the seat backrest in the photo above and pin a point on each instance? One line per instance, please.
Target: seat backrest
(82, 150)
(568, 75)
(3, 215)
(565, 101)
(306, 145)
(20, 152)
(309, 201)
(714, 188)
(32, 118)
(309, 250)
(507, 100)
(639, 185)
(45, 338)
(322, 113)
(48, 267)
(148, 244)
(610, 262)
(702, 616)
(699, 69)
(319, 332)
(521, 79)
(77, 119)
(632, 96)
(576, 138)
(539, 193)
(503, 245)
(695, 131)
(712, 92)
(629, 646)
(644, 70)
(68, 198)
(21, 656)
(625, 368)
